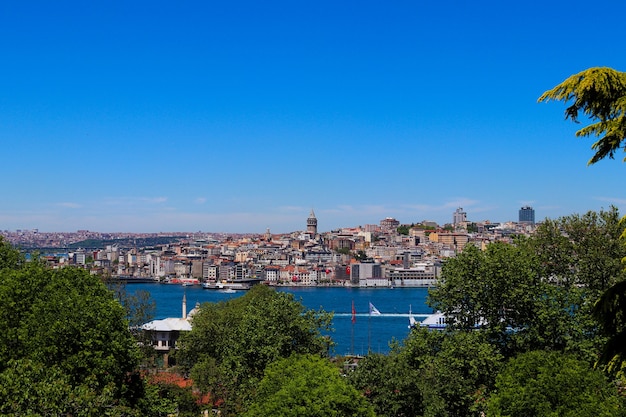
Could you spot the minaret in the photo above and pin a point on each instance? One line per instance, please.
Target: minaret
(185, 305)
(311, 223)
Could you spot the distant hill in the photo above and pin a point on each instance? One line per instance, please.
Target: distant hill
(125, 242)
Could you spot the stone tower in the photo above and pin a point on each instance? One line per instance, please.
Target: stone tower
(311, 223)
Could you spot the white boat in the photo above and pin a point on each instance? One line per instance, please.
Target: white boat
(435, 321)
(412, 321)
(373, 310)
(234, 286)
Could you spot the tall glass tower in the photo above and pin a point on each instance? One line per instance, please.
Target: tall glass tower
(527, 215)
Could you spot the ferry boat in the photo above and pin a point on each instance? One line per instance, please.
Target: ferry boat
(228, 285)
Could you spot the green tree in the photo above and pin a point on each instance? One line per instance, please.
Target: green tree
(9, 256)
(495, 288)
(578, 258)
(581, 257)
(140, 309)
(171, 399)
(540, 383)
(534, 294)
(454, 368)
(306, 385)
(610, 311)
(65, 334)
(435, 373)
(389, 384)
(600, 95)
(232, 342)
(403, 229)
(582, 250)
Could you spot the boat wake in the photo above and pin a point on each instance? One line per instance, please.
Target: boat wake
(381, 315)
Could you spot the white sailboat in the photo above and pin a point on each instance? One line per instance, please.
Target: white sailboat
(373, 310)
(412, 321)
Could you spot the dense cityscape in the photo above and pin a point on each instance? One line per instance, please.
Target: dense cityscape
(388, 254)
(313, 209)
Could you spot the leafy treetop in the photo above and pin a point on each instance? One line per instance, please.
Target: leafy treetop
(9, 256)
(66, 339)
(307, 385)
(600, 94)
(232, 342)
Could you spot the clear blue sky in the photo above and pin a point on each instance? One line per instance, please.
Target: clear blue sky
(237, 116)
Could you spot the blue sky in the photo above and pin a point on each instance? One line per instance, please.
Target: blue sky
(148, 116)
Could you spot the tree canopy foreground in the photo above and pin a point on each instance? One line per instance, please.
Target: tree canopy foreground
(66, 347)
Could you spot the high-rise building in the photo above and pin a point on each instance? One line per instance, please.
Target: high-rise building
(459, 216)
(527, 215)
(311, 223)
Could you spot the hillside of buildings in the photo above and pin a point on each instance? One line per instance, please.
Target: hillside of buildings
(378, 255)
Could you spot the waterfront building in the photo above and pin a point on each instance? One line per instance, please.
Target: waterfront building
(296, 276)
(367, 274)
(156, 267)
(182, 268)
(197, 269)
(241, 271)
(420, 274)
(271, 273)
(165, 333)
(210, 272)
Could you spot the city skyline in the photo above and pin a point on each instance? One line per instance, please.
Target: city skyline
(242, 116)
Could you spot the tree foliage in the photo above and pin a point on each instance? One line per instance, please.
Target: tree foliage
(306, 385)
(582, 250)
(455, 369)
(540, 383)
(610, 311)
(10, 257)
(140, 309)
(538, 292)
(600, 95)
(65, 334)
(390, 384)
(435, 373)
(494, 289)
(403, 229)
(232, 342)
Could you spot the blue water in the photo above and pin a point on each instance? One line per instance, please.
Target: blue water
(369, 333)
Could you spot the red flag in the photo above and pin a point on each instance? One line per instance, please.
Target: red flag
(353, 313)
